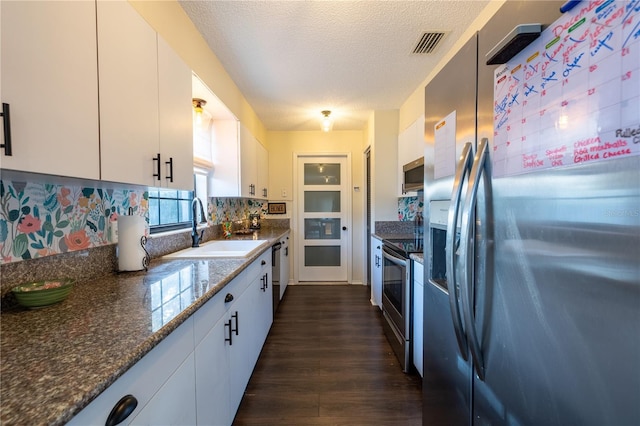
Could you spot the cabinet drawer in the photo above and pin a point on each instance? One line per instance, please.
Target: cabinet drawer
(209, 314)
(259, 266)
(144, 379)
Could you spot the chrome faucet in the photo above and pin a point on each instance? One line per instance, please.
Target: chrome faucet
(195, 238)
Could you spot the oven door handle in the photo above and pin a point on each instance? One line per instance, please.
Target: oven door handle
(393, 258)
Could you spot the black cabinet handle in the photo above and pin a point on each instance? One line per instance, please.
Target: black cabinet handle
(122, 410)
(228, 298)
(158, 171)
(266, 280)
(170, 163)
(264, 192)
(6, 121)
(230, 338)
(236, 317)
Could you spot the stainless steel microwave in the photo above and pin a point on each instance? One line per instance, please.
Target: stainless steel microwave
(413, 176)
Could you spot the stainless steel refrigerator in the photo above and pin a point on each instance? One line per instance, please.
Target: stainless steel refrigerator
(532, 279)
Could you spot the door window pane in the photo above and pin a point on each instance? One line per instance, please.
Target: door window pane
(322, 229)
(322, 256)
(321, 201)
(321, 174)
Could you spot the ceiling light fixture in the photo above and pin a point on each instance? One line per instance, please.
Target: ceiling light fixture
(198, 105)
(327, 123)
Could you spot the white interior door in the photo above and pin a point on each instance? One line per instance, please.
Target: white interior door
(323, 218)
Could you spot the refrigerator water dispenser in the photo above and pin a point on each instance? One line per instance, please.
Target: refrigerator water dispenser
(438, 216)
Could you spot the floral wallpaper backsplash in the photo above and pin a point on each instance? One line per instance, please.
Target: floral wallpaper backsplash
(232, 209)
(408, 207)
(40, 219)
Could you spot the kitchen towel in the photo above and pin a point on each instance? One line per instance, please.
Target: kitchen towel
(132, 255)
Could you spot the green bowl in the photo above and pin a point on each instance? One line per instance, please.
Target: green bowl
(43, 293)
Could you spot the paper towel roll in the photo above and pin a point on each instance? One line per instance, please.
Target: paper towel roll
(131, 253)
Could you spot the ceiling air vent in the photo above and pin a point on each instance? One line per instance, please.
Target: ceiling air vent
(428, 42)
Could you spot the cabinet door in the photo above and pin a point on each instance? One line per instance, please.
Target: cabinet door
(248, 164)
(410, 148)
(240, 350)
(254, 312)
(226, 158)
(212, 376)
(263, 309)
(376, 272)
(174, 403)
(285, 261)
(146, 378)
(50, 80)
(128, 77)
(175, 118)
(263, 171)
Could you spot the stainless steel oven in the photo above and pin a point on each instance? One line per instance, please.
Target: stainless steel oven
(396, 301)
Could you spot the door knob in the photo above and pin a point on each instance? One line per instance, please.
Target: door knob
(344, 228)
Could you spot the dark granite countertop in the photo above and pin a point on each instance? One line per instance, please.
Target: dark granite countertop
(389, 236)
(57, 359)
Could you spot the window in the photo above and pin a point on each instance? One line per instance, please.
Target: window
(169, 209)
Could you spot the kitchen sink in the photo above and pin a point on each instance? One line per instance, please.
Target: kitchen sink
(221, 248)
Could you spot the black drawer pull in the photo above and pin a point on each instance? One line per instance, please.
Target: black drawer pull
(230, 339)
(158, 167)
(122, 410)
(6, 121)
(170, 164)
(236, 317)
(228, 298)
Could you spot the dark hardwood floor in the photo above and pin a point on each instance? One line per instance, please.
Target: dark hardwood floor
(326, 361)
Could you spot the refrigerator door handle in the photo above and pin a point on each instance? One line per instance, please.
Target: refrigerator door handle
(462, 170)
(467, 238)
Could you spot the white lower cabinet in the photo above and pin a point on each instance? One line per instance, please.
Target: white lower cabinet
(174, 403)
(227, 354)
(418, 315)
(161, 383)
(376, 272)
(198, 373)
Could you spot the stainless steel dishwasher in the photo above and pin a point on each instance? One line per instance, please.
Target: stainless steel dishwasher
(275, 274)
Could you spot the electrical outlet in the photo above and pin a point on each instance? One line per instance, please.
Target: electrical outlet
(284, 193)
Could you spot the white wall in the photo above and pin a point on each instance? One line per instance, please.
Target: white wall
(283, 146)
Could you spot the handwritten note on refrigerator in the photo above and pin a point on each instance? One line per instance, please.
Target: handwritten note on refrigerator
(573, 95)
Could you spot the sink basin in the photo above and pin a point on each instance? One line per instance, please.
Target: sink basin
(221, 248)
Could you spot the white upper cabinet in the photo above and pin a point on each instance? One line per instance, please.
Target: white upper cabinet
(263, 171)
(176, 118)
(241, 163)
(410, 148)
(145, 103)
(128, 76)
(49, 79)
(248, 164)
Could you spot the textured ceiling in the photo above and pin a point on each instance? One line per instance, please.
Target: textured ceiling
(292, 59)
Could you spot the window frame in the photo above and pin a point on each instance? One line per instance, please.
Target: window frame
(172, 226)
